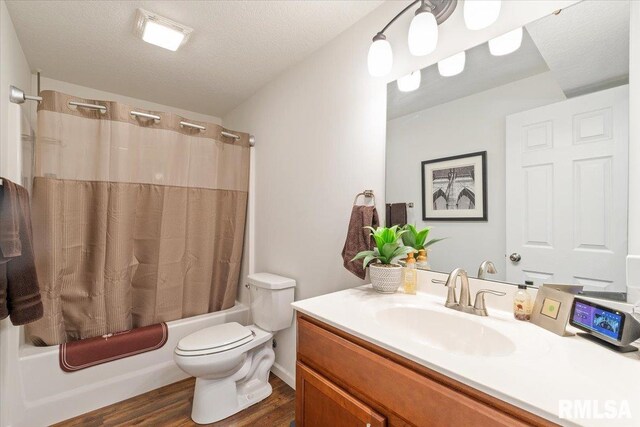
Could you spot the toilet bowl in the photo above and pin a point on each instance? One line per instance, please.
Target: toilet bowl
(231, 362)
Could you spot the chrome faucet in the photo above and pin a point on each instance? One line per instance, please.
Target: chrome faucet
(486, 267)
(464, 305)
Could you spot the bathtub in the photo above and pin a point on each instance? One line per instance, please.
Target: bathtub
(36, 392)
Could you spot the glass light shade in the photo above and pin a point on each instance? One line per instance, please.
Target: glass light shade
(410, 82)
(163, 36)
(380, 58)
(452, 65)
(506, 43)
(423, 34)
(479, 14)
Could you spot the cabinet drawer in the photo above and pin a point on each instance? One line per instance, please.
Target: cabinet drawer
(383, 383)
(321, 403)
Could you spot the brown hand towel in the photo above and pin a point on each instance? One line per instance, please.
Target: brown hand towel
(19, 289)
(397, 215)
(359, 238)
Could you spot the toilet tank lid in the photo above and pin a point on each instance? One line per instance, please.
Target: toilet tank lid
(271, 281)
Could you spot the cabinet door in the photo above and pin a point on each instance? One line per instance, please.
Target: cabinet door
(320, 403)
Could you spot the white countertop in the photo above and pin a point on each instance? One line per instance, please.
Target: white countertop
(542, 370)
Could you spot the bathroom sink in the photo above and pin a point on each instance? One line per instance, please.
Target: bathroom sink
(447, 332)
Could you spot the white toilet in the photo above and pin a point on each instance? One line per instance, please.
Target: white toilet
(231, 362)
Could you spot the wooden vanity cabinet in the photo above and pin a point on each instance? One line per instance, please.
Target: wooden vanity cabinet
(343, 381)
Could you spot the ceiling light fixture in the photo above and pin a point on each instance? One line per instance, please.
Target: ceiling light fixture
(422, 38)
(452, 65)
(479, 14)
(506, 43)
(410, 82)
(161, 31)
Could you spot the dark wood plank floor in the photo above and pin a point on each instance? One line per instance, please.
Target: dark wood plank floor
(170, 406)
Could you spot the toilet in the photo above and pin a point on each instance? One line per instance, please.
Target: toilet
(231, 362)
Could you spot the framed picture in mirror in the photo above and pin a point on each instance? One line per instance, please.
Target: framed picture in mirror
(455, 188)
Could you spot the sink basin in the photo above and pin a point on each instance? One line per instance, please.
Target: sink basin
(446, 332)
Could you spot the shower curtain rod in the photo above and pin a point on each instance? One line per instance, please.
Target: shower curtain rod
(17, 96)
(103, 109)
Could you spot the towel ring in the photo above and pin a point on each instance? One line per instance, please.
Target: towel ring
(368, 194)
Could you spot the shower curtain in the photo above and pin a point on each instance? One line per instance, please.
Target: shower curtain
(135, 221)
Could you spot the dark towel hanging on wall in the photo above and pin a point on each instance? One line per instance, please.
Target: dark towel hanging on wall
(396, 214)
(359, 238)
(19, 288)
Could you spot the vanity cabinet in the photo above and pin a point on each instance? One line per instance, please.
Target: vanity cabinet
(321, 403)
(342, 380)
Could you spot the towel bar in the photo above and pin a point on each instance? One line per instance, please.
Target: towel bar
(368, 194)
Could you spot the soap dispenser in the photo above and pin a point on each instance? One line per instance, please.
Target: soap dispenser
(422, 260)
(410, 275)
(522, 306)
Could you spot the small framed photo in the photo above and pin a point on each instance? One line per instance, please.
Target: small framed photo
(455, 188)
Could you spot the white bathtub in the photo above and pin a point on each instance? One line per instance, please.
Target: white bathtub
(36, 392)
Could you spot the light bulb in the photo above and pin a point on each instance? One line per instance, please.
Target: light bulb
(410, 82)
(506, 43)
(163, 36)
(380, 58)
(479, 14)
(452, 65)
(423, 34)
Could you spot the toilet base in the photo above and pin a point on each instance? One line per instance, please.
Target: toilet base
(217, 399)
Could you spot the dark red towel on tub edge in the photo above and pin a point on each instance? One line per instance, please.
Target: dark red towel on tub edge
(89, 352)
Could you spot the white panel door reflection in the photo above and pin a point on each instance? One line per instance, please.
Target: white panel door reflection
(566, 198)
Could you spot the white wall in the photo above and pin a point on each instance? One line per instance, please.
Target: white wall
(466, 125)
(320, 132)
(14, 70)
(633, 260)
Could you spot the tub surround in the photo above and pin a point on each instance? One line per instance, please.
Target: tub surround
(524, 365)
(64, 395)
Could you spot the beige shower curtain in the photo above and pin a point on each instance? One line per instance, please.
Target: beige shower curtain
(135, 220)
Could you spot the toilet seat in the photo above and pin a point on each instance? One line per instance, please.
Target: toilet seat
(215, 339)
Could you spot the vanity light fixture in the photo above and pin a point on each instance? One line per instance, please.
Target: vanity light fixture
(479, 14)
(423, 34)
(423, 31)
(410, 82)
(380, 58)
(452, 65)
(161, 31)
(506, 43)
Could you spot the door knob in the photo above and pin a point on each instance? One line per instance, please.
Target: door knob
(515, 257)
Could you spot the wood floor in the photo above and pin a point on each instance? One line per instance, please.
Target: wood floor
(170, 406)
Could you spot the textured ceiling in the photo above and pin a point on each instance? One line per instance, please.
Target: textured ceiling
(236, 47)
(586, 48)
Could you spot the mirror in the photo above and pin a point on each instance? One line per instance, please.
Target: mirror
(521, 159)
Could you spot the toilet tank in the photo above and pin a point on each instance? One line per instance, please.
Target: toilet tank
(271, 298)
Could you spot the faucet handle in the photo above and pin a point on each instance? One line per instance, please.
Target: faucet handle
(479, 305)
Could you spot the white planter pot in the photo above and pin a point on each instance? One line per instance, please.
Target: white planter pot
(385, 279)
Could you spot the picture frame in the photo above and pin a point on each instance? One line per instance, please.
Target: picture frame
(455, 188)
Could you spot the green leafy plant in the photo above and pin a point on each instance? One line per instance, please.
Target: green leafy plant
(417, 239)
(388, 247)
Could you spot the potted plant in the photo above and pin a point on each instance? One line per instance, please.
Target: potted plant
(385, 274)
(418, 239)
